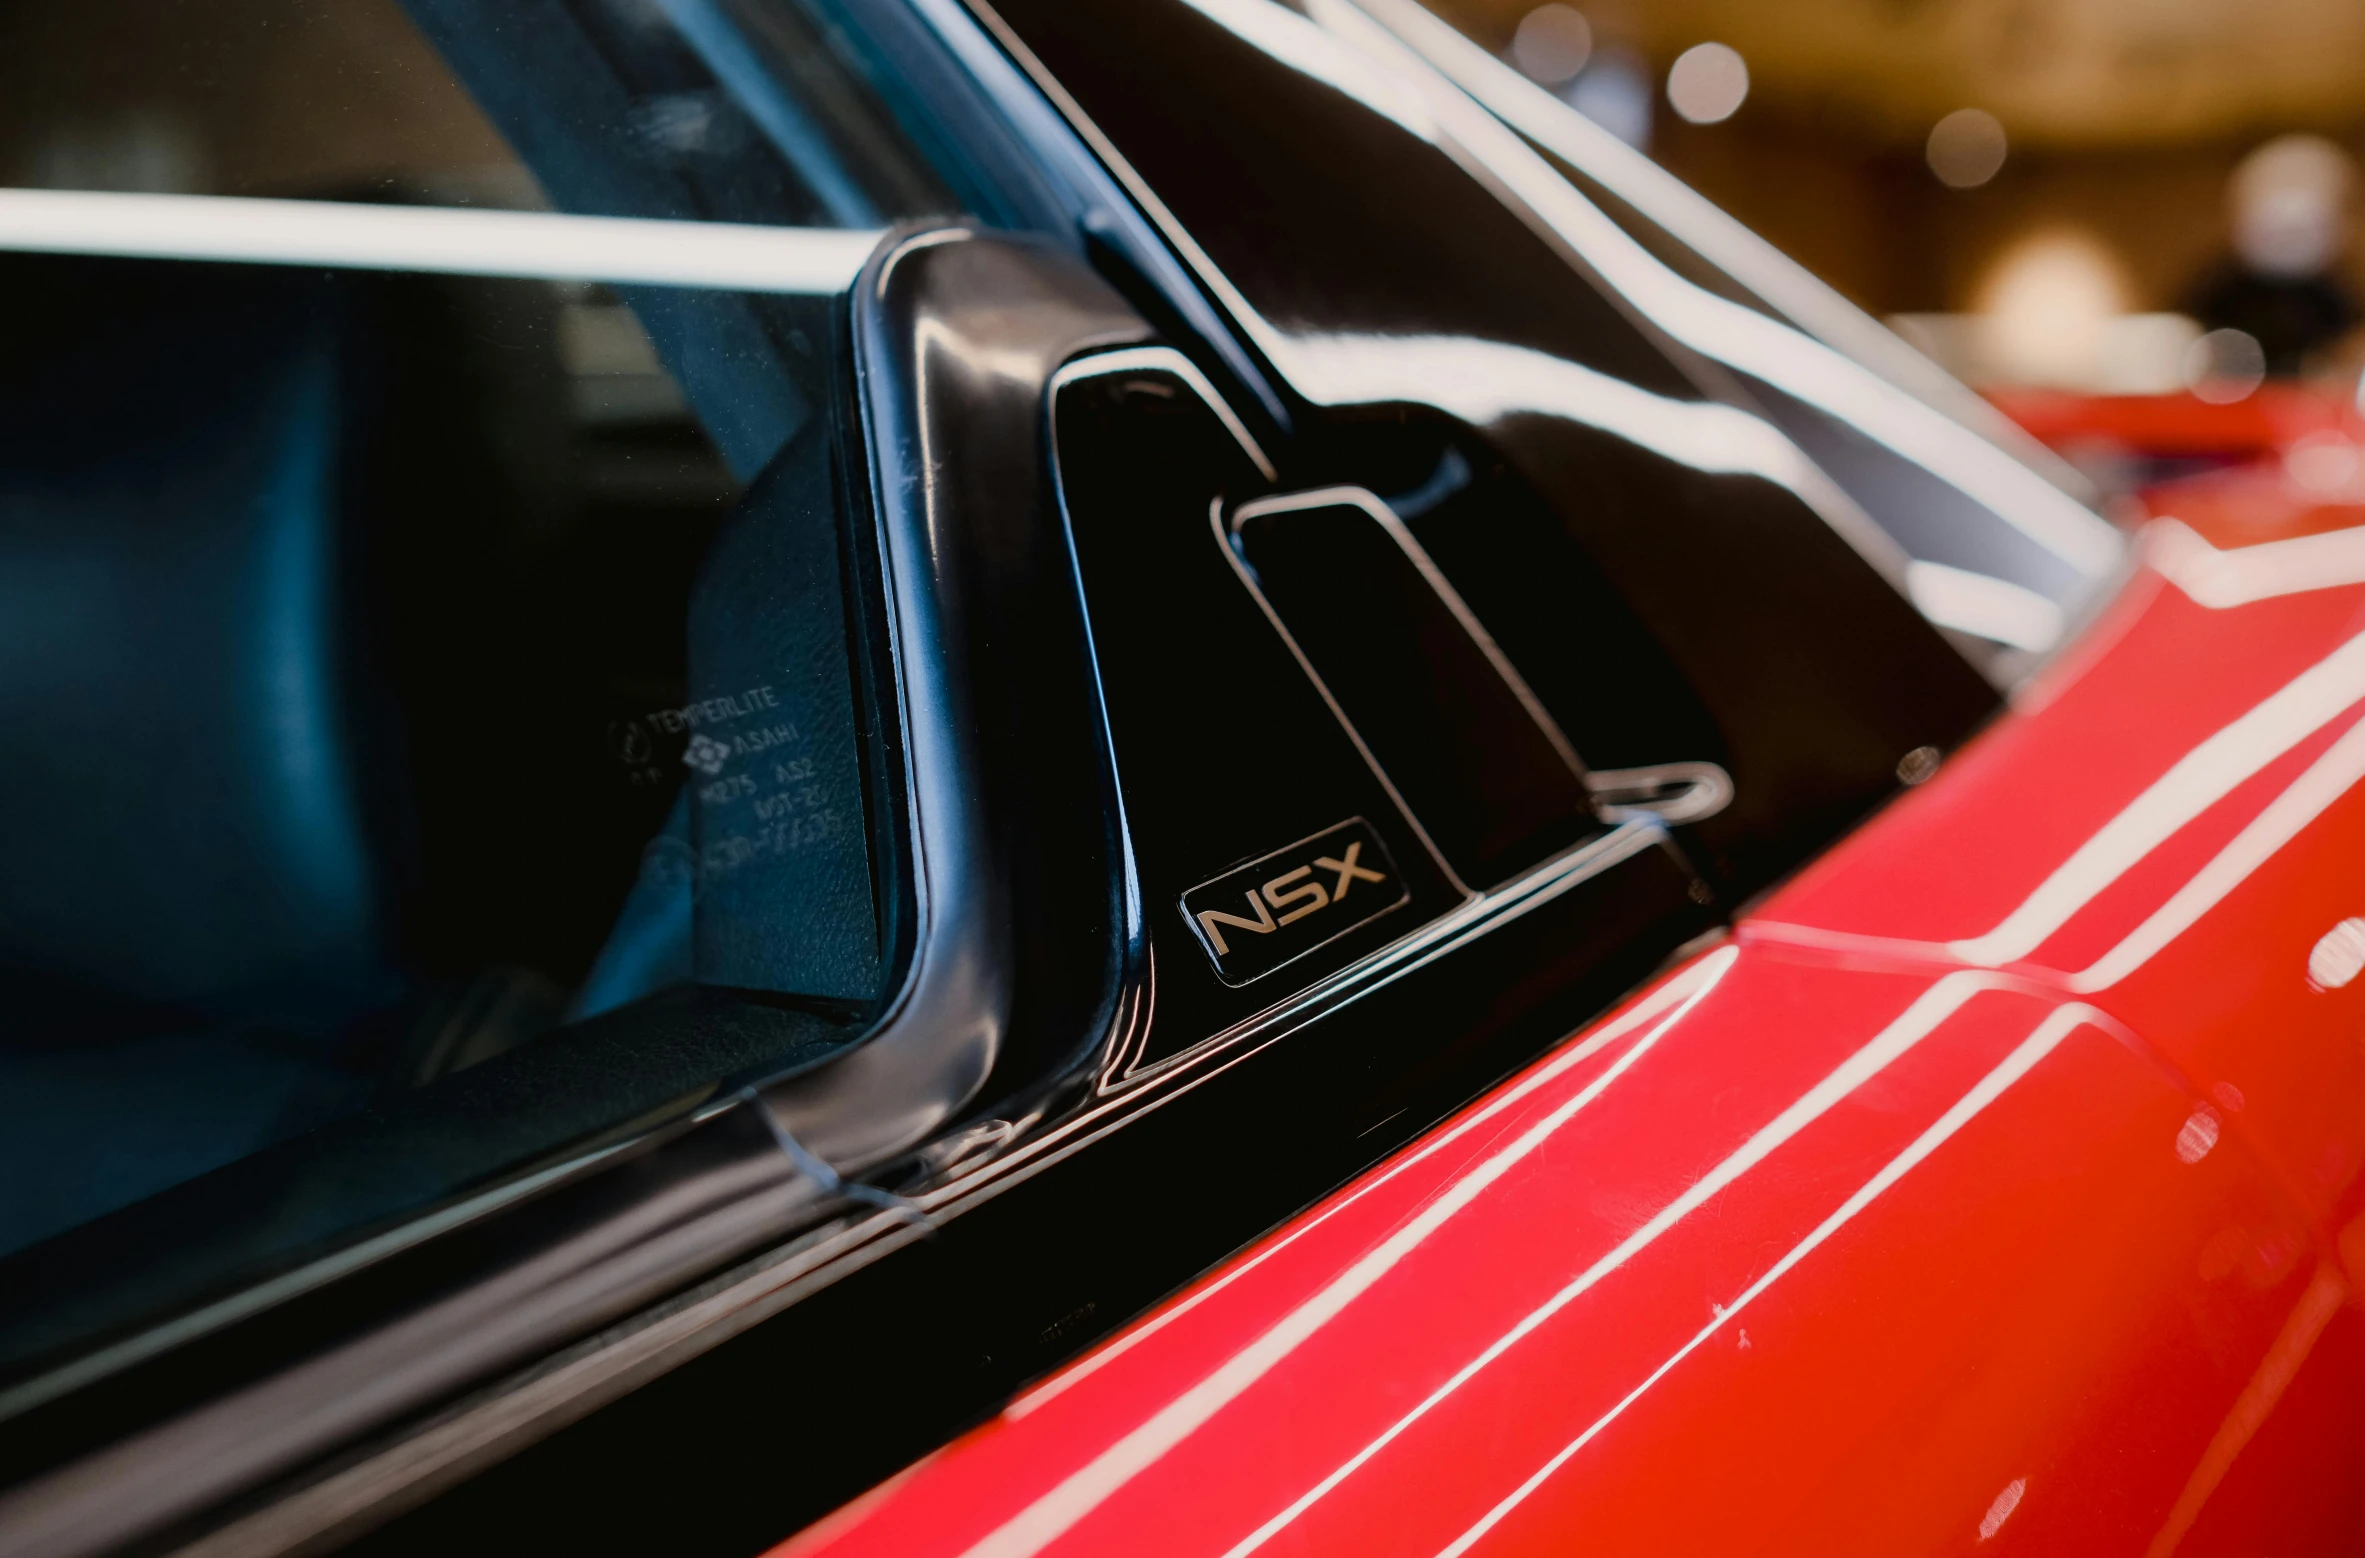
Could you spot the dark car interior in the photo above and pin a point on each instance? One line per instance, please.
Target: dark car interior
(391, 606)
(373, 642)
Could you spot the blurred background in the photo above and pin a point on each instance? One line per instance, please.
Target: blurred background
(2128, 221)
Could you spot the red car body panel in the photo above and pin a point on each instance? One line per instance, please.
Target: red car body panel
(2267, 420)
(1997, 1181)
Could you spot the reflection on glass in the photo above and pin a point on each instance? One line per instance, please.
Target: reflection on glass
(1822, 397)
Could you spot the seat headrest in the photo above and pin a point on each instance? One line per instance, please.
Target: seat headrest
(181, 807)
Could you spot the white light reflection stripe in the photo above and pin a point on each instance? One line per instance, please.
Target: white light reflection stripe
(2318, 1303)
(2236, 576)
(1740, 336)
(443, 239)
(2198, 781)
(2326, 780)
(2016, 1065)
(1646, 1010)
(1043, 1521)
(1485, 381)
(1312, 51)
(1916, 1023)
(1978, 603)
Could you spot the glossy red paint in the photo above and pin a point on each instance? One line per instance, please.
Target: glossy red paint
(2262, 422)
(2307, 490)
(1997, 1182)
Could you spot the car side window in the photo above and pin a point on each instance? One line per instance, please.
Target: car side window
(431, 629)
(1539, 400)
(1993, 536)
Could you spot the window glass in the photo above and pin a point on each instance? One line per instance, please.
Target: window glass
(1670, 576)
(413, 678)
(1984, 548)
(1969, 565)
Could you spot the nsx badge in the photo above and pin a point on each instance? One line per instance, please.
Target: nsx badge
(1256, 917)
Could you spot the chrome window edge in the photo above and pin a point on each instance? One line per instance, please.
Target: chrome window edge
(505, 1415)
(206, 1319)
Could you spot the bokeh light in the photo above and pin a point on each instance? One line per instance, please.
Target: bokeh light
(1552, 44)
(1708, 83)
(2290, 200)
(2047, 306)
(1967, 148)
(2225, 366)
(2322, 464)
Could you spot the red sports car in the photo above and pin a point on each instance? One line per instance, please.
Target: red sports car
(926, 776)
